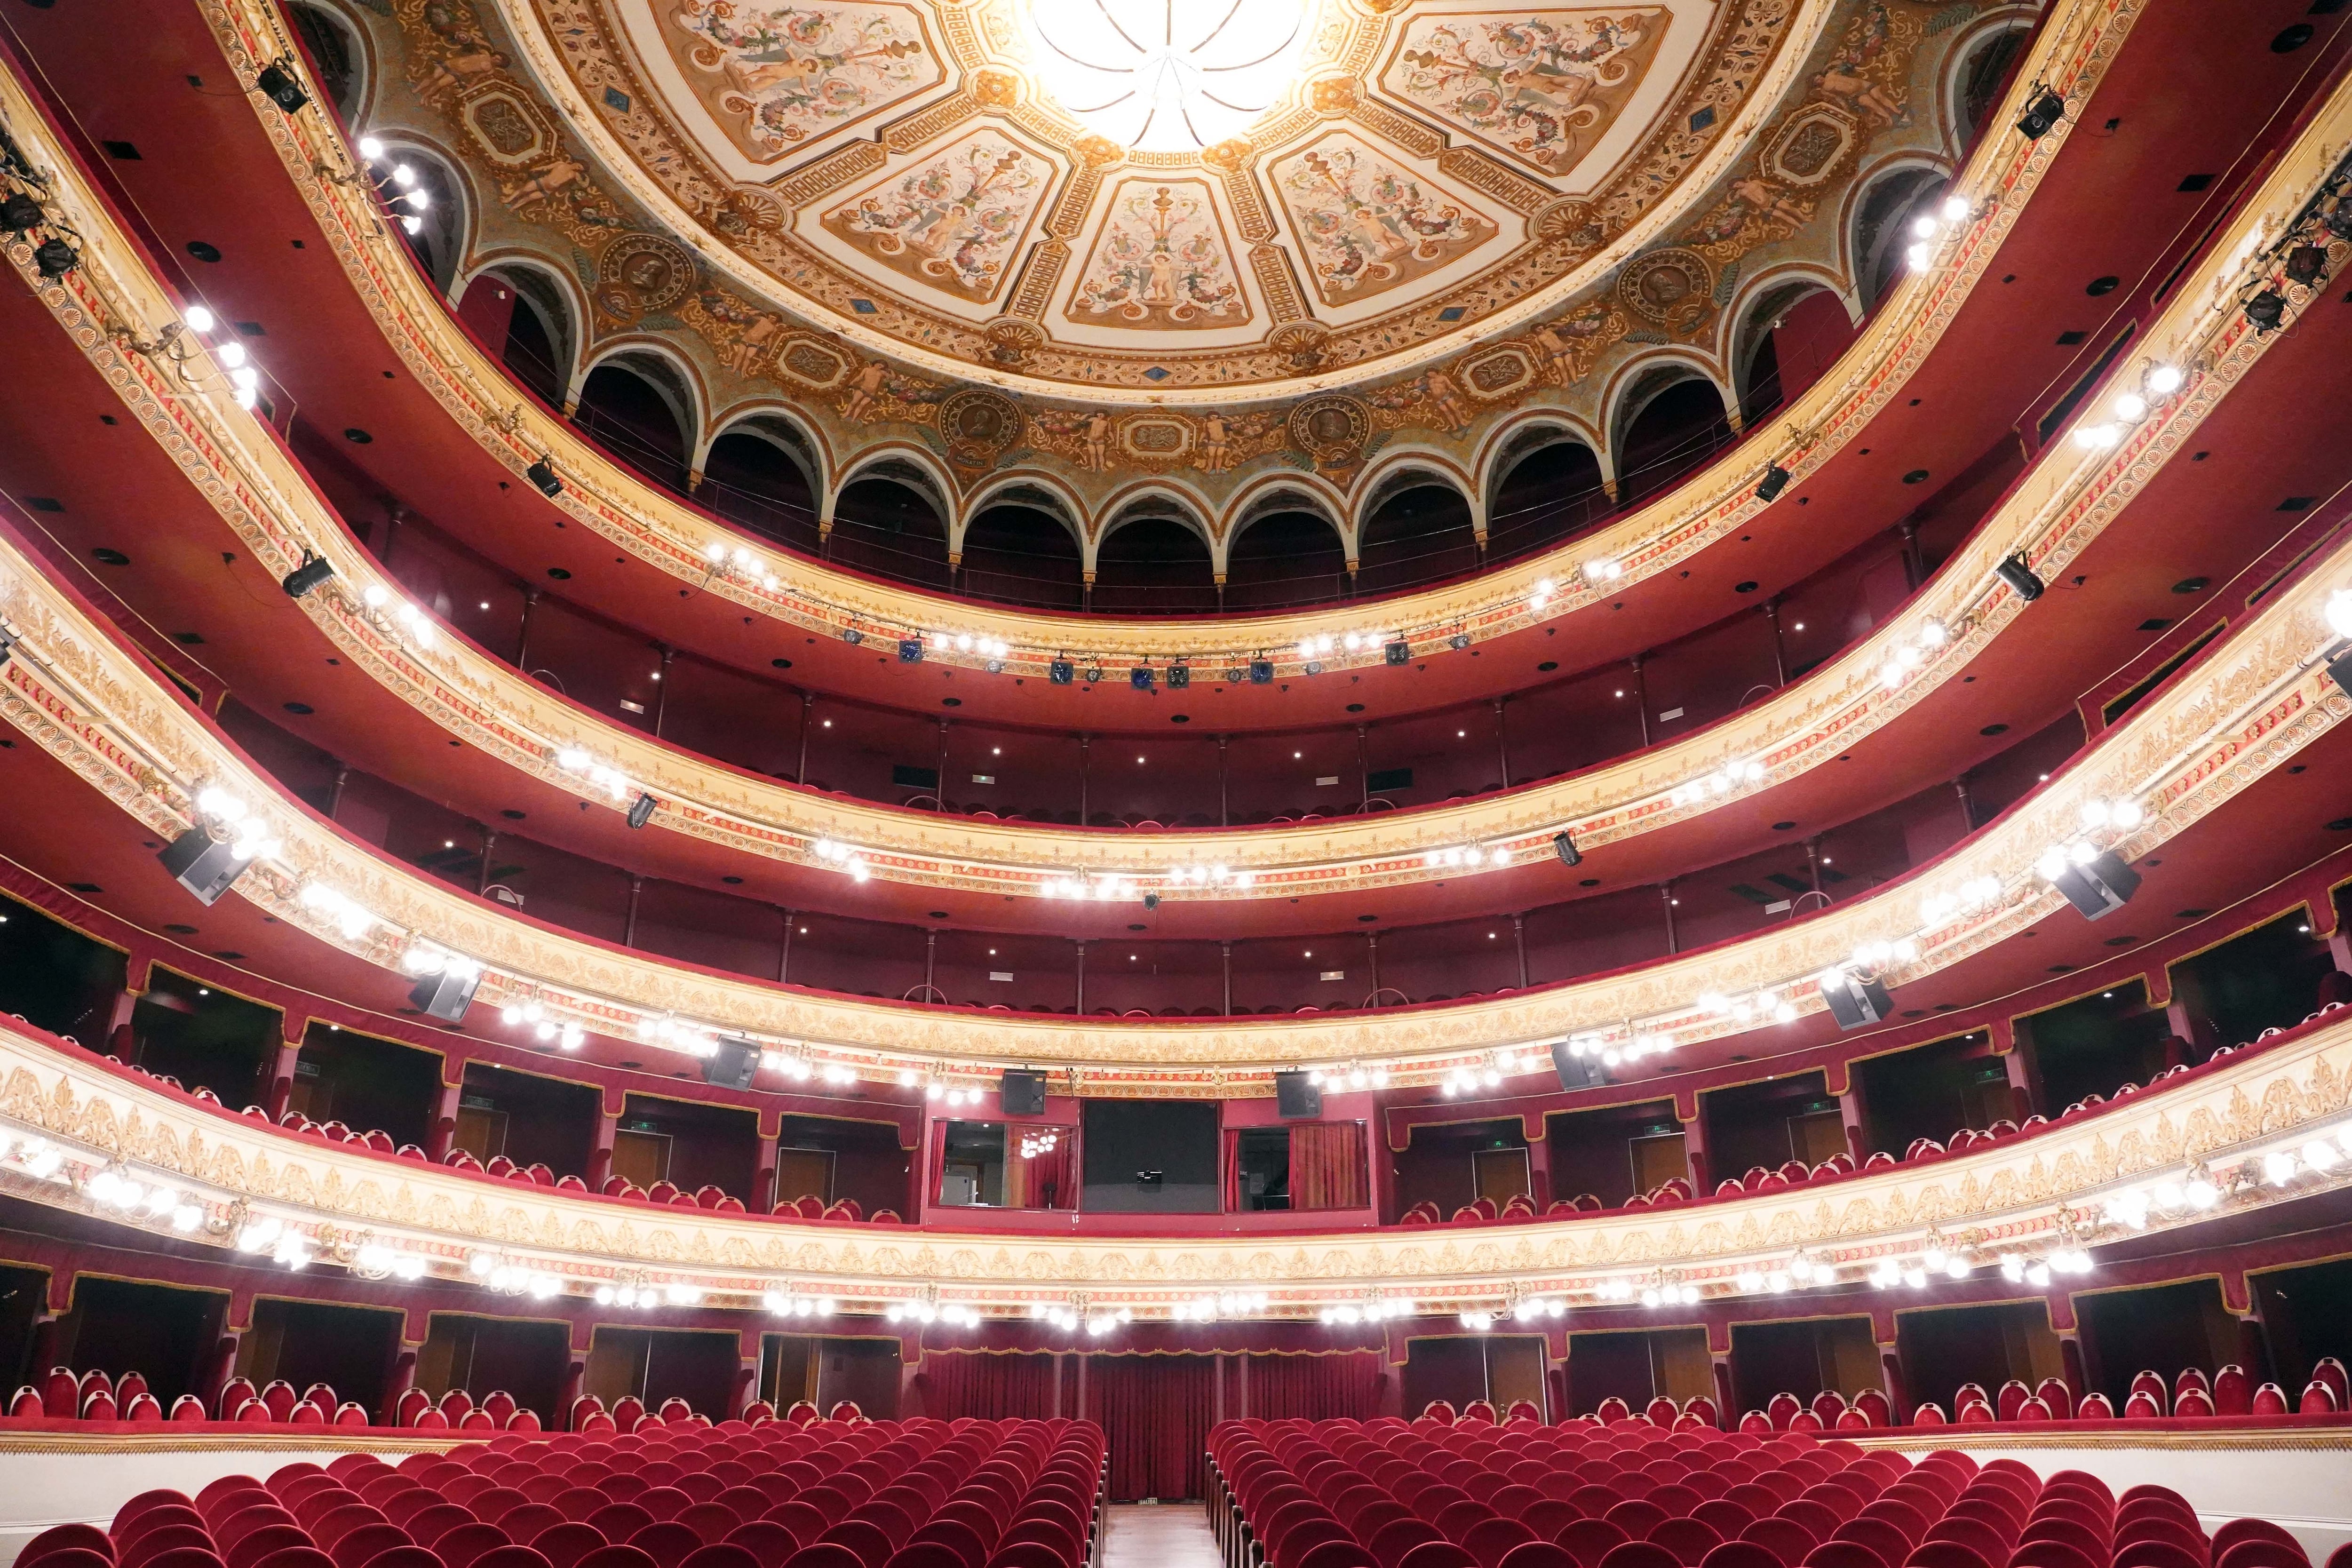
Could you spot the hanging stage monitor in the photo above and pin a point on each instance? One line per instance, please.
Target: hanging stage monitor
(2099, 886)
(1855, 1002)
(447, 993)
(1023, 1093)
(732, 1064)
(204, 867)
(1296, 1098)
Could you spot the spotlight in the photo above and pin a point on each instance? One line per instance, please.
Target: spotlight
(2099, 886)
(1150, 901)
(1094, 675)
(1261, 671)
(910, 650)
(1398, 652)
(1180, 675)
(2047, 111)
(2266, 309)
(2304, 263)
(2021, 577)
(641, 810)
(1140, 678)
(314, 569)
(279, 86)
(19, 213)
(55, 259)
(852, 636)
(1775, 480)
(543, 473)
(1569, 854)
(1458, 641)
(1061, 672)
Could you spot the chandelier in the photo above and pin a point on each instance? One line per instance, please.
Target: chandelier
(1157, 76)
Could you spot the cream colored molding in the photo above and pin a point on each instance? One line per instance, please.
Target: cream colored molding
(2063, 503)
(2073, 52)
(74, 688)
(2008, 1198)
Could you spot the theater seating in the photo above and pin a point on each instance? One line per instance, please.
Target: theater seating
(1385, 1494)
(885, 1494)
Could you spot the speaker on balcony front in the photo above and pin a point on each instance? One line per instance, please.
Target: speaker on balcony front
(1855, 1002)
(732, 1064)
(1575, 1071)
(2099, 887)
(1296, 1097)
(448, 995)
(201, 864)
(1023, 1093)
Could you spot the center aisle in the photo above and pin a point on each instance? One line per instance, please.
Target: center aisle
(1159, 1535)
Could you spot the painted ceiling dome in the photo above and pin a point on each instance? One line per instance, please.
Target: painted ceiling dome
(1171, 203)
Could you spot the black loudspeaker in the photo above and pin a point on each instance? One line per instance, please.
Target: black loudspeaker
(2100, 887)
(2021, 577)
(641, 810)
(2339, 669)
(543, 475)
(1855, 1002)
(1775, 480)
(1575, 1071)
(1296, 1098)
(448, 995)
(1569, 854)
(1180, 675)
(1023, 1093)
(1398, 653)
(204, 868)
(732, 1064)
(2043, 117)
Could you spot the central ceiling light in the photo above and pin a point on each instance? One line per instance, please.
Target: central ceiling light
(1160, 76)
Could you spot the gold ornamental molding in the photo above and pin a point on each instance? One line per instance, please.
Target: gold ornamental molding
(2021, 1197)
(2064, 502)
(78, 691)
(2071, 52)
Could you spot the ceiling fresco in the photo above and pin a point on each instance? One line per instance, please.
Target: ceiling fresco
(867, 211)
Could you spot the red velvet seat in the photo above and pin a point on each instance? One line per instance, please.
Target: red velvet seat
(1590, 1540)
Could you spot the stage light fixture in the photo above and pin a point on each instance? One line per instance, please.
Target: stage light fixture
(1398, 652)
(2098, 886)
(277, 84)
(2266, 309)
(543, 473)
(1313, 666)
(2044, 116)
(852, 636)
(1150, 901)
(1261, 671)
(53, 259)
(1458, 641)
(910, 650)
(1775, 480)
(20, 213)
(2020, 578)
(2304, 263)
(1180, 675)
(1061, 672)
(641, 810)
(1094, 675)
(1141, 678)
(1569, 854)
(314, 569)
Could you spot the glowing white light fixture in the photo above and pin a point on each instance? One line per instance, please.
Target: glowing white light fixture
(1160, 77)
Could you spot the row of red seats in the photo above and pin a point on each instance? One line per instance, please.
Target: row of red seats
(921, 1494)
(1385, 1495)
(2194, 1395)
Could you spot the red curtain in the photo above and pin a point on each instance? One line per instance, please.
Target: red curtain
(1154, 1411)
(957, 1383)
(1047, 1181)
(1314, 1388)
(1327, 1165)
(1233, 1169)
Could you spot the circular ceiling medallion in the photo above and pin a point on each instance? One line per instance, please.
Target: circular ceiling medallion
(641, 274)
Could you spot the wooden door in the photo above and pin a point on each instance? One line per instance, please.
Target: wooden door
(1502, 1173)
(641, 1157)
(1657, 1160)
(804, 1173)
(1815, 1138)
(482, 1133)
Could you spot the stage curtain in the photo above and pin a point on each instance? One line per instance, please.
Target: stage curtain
(1314, 1387)
(957, 1383)
(1154, 1411)
(1327, 1165)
